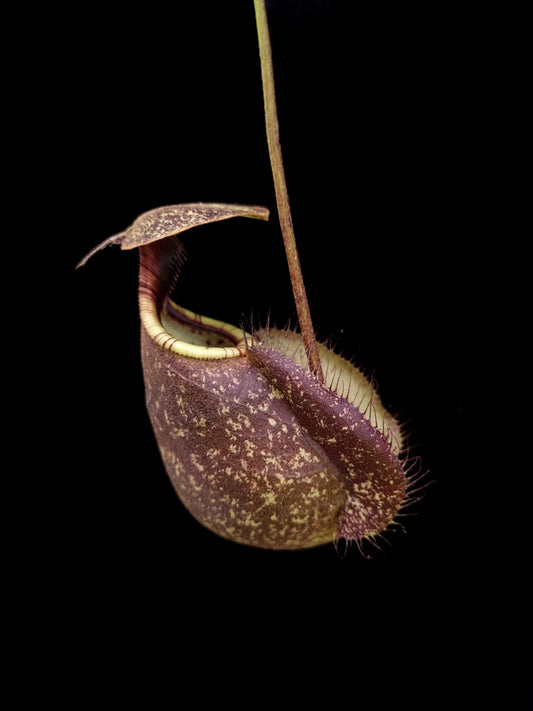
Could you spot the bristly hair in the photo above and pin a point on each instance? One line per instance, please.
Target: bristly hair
(176, 259)
(418, 483)
(364, 395)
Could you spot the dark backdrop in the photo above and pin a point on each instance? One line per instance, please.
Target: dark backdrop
(380, 136)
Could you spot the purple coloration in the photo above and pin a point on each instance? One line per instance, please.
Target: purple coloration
(372, 476)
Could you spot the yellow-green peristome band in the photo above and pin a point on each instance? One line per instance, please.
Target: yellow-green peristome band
(189, 334)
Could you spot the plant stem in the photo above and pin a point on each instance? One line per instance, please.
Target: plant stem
(282, 196)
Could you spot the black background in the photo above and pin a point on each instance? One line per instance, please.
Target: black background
(382, 139)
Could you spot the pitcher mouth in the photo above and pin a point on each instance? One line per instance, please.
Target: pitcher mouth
(171, 326)
(199, 336)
